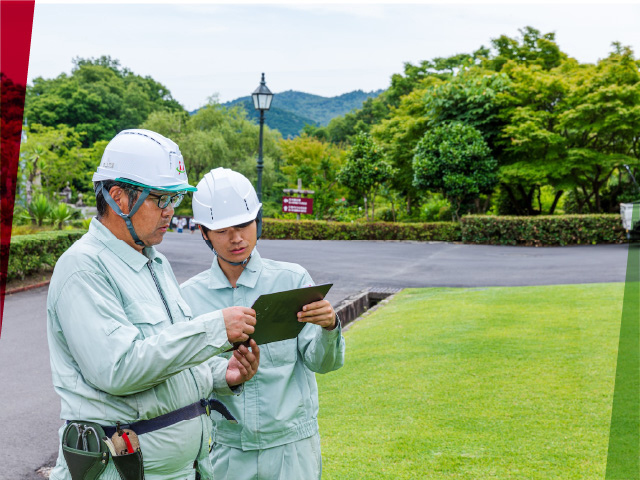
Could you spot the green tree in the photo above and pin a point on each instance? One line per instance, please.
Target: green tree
(98, 99)
(218, 136)
(53, 156)
(399, 135)
(455, 160)
(570, 127)
(316, 163)
(531, 48)
(365, 170)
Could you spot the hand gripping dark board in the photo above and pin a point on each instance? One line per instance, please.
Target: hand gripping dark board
(276, 313)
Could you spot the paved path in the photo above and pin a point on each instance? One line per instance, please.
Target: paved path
(354, 265)
(29, 408)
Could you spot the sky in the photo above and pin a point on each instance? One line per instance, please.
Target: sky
(204, 49)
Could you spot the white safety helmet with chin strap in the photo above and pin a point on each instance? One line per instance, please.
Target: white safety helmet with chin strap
(224, 199)
(144, 159)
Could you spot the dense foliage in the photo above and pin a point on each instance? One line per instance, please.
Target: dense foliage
(97, 100)
(455, 160)
(557, 128)
(543, 230)
(516, 128)
(321, 230)
(31, 254)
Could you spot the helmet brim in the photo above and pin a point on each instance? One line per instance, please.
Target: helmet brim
(164, 188)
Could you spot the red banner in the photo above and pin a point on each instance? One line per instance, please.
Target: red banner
(297, 205)
(16, 21)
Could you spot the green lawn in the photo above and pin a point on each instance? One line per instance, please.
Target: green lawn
(475, 383)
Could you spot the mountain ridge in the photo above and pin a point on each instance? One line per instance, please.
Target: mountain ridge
(291, 110)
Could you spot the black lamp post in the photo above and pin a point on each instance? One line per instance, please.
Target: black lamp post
(261, 101)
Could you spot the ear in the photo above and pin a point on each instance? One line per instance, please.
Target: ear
(120, 197)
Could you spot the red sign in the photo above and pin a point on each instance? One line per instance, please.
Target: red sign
(297, 205)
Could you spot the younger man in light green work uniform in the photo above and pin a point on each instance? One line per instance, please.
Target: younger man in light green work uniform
(277, 432)
(124, 345)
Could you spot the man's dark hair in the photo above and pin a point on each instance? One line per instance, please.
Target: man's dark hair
(101, 203)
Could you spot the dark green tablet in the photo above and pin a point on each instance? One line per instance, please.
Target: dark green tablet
(277, 313)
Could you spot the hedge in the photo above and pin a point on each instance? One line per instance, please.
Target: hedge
(30, 254)
(321, 230)
(543, 230)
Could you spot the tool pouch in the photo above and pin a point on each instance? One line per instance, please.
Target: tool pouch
(129, 466)
(86, 455)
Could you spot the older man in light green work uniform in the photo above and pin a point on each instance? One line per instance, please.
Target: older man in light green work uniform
(125, 347)
(277, 432)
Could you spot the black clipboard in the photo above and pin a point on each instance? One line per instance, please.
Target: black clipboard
(277, 313)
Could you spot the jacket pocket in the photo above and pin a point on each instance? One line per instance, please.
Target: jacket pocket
(282, 353)
(148, 318)
(185, 309)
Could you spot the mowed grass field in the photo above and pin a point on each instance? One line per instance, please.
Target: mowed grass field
(478, 383)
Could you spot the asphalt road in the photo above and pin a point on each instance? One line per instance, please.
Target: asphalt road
(29, 413)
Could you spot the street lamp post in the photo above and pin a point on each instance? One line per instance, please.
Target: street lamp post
(262, 97)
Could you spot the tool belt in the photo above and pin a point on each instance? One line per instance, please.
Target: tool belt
(86, 445)
(203, 407)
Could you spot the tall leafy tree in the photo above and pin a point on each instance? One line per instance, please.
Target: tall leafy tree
(399, 135)
(218, 136)
(98, 99)
(571, 127)
(316, 163)
(51, 157)
(531, 48)
(602, 123)
(455, 160)
(365, 170)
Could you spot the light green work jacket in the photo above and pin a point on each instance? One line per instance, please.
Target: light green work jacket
(280, 403)
(126, 347)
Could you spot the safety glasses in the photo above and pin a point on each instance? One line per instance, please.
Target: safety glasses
(166, 199)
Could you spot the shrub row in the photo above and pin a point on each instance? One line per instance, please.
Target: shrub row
(33, 253)
(37, 252)
(537, 231)
(321, 230)
(543, 230)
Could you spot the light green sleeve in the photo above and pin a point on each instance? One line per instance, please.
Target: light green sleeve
(322, 350)
(108, 347)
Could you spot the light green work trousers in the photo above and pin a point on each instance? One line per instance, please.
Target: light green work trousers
(299, 460)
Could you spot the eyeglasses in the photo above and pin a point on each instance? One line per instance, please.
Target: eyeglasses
(167, 198)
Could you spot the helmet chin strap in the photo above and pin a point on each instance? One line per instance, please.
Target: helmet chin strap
(235, 264)
(127, 216)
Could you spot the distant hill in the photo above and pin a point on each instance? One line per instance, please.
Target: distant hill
(291, 110)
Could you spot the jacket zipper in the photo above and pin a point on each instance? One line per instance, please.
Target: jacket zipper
(155, 279)
(166, 306)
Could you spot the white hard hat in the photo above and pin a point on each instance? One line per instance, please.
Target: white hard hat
(144, 158)
(225, 198)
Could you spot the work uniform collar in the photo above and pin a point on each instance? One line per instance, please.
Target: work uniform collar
(248, 278)
(128, 254)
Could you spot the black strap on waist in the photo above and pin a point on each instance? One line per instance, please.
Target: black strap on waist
(203, 407)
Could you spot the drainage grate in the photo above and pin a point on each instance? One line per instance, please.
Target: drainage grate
(352, 307)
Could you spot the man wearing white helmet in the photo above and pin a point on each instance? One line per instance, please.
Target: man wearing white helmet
(126, 350)
(277, 432)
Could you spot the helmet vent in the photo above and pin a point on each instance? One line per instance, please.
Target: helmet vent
(246, 204)
(144, 135)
